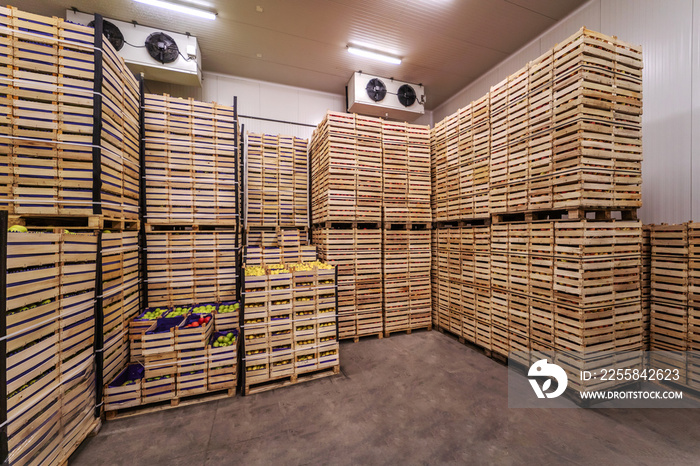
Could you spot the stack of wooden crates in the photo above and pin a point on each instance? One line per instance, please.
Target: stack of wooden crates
(290, 331)
(276, 200)
(289, 314)
(675, 300)
(70, 153)
(277, 181)
(517, 176)
(191, 220)
(371, 210)
(406, 219)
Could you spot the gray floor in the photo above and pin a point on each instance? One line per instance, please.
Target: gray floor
(413, 399)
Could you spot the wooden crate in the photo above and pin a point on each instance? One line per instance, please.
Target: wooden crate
(160, 337)
(125, 390)
(159, 388)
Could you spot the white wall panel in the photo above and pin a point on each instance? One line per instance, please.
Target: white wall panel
(664, 29)
(272, 101)
(425, 119)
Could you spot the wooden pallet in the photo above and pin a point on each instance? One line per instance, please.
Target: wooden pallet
(357, 338)
(349, 224)
(170, 404)
(252, 389)
(408, 331)
(570, 214)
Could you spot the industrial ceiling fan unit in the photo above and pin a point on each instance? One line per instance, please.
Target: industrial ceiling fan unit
(161, 55)
(385, 97)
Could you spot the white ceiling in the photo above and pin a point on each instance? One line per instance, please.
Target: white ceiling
(445, 44)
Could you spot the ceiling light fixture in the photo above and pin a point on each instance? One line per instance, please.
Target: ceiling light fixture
(375, 55)
(179, 8)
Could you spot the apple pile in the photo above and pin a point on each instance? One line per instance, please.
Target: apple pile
(282, 363)
(324, 339)
(258, 367)
(326, 324)
(304, 298)
(227, 308)
(305, 342)
(255, 336)
(305, 357)
(203, 320)
(302, 328)
(258, 320)
(255, 271)
(280, 302)
(327, 353)
(130, 382)
(204, 309)
(154, 314)
(225, 340)
(153, 379)
(304, 313)
(179, 311)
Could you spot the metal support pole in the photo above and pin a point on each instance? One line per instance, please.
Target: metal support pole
(143, 212)
(4, 450)
(97, 121)
(337, 326)
(99, 328)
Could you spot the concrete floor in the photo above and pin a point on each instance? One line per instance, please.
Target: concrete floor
(409, 399)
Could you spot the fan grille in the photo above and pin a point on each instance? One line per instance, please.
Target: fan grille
(162, 47)
(407, 95)
(376, 90)
(112, 33)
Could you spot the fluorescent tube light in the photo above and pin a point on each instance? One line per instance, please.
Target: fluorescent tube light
(375, 55)
(179, 8)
